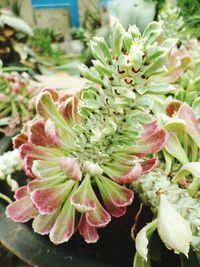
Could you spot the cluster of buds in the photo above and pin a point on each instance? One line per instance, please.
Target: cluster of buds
(175, 201)
(82, 155)
(9, 163)
(17, 94)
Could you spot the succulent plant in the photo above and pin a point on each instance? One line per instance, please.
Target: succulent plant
(83, 154)
(17, 94)
(178, 179)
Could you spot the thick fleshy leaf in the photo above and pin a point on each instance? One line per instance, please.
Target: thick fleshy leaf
(71, 168)
(118, 195)
(46, 169)
(84, 198)
(69, 109)
(149, 165)
(189, 168)
(42, 224)
(50, 132)
(64, 225)
(42, 183)
(172, 107)
(88, 232)
(53, 92)
(174, 148)
(19, 140)
(47, 200)
(98, 217)
(150, 128)
(152, 143)
(27, 166)
(21, 192)
(176, 126)
(131, 176)
(47, 109)
(140, 262)
(187, 114)
(36, 133)
(22, 210)
(173, 229)
(142, 239)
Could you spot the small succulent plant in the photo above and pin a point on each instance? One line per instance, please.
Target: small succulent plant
(82, 154)
(17, 94)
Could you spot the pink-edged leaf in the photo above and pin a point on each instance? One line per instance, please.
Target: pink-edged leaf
(64, 225)
(71, 168)
(30, 149)
(36, 133)
(150, 128)
(42, 224)
(47, 200)
(42, 183)
(131, 176)
(119, 195)
(114, 211)
(22, 210)
(46, 169)
(149, 165)
(27, 165)
(172, 107)
(84, 198)
(69, 109)
(88, 232)
(19, 140)
(99, 217)
(187, 114)
(50, 132)
(21, 192)
(53, 92)
(152, 143)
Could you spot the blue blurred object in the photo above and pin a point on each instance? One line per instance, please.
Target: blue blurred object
(129, 12)
(49, 4)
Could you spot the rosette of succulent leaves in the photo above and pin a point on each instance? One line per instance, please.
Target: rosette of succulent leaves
(83, 153)
(17, 94)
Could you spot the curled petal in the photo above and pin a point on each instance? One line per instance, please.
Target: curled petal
(87, 231)
(149, 165)
(22, 210)
(71, 168)
(131, 176)
(47, 200)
